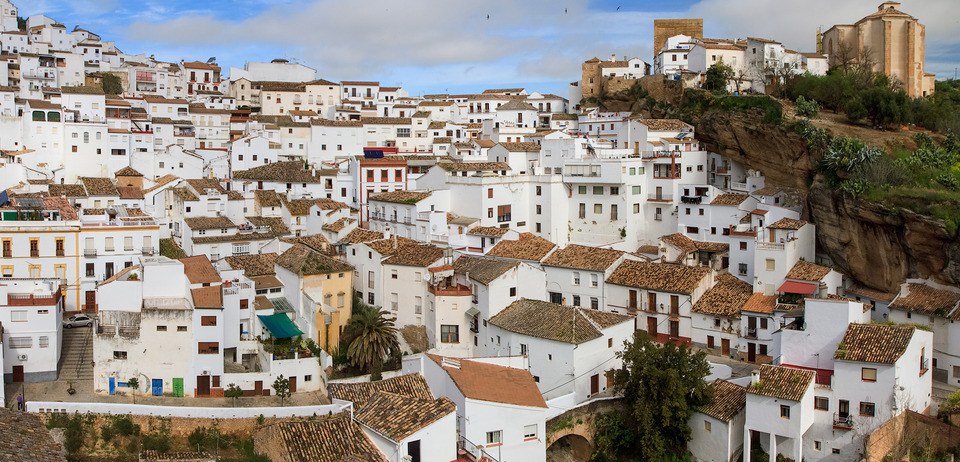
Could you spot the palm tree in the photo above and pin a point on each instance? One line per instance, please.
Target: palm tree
(374, 337)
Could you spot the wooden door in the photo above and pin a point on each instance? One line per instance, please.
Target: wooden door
(652, 326)
(752, 326)
(17, 374)
(675, 305)
(651, 301)
(674, 329)
(203, 385)
(632, 304)
(595, 384)
(90, 302)
(725, 346)
(413, 450)
(293, 384)
(710, 343)
(178, 387)
(844, 409)
(752, 352)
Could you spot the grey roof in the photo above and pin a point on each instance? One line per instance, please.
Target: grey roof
(483, 270)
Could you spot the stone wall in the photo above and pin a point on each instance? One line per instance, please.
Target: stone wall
(910, 430)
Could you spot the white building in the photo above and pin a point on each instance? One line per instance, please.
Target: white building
(561, 342)
(576, 275)
(31, 315)
(928, 303)
(716, 430)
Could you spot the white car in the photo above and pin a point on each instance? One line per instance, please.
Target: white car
(77, 320)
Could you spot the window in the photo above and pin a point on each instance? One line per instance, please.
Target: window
(524, 350)
(594, 280)
(393, 274)
(743, 245)
(513, 291)
(119, 355)
(108, 244)
(816, 445)
(161, 328)
(597, 190)
(208, 348)
(583, 210)
(576, 300)
(635, 190)
(181, 328)
(208, 320)
(18, 315)
(867, 409)
(489, 193)
(539, 190)
(835, 451)
(598, 208)
(449, 333)
(742, 269)
(614, 191)
(539, 209)
(784, 411)
(582, 190)
(493, 438)
(763, 323)
(771, 264)
(576, 278)
(529, 432)
(821, 403)
(868, 374)
(594, 303)
(44, 341)
(706, 426)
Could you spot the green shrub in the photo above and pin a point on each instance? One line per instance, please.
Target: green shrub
(807, 108)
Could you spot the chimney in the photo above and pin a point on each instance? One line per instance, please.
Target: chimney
(613, 56)
(754, 376)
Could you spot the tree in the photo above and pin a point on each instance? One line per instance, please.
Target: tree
(111, 84)
(281, 387)
(662, 385)
(134, 385)
(21, 23)
(233, 391)
(374, 337)
(717, 77)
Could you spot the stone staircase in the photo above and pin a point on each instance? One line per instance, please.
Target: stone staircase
(77, 355)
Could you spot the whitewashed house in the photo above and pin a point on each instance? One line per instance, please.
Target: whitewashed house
(31, 314)
(716, 430)
(577, 275)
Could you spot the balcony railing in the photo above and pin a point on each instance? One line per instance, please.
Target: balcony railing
(660, 198)
(33, 299)
(751, 333)
(89, 252)
(474, 451)
(147, 251)
(503, 218)
(457, 290)
(770, 245)
(842, 422)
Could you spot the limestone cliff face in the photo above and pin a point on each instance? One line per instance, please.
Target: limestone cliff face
(879, 246)
(781, 155)
(874, 245)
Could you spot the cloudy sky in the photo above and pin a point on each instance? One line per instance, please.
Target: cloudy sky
(459, 46)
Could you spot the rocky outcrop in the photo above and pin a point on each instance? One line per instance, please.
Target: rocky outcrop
(882, 247)
(781, 155)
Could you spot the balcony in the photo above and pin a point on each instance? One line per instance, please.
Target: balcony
(660, 198)
(49, 299)
(691, 199)
(842, 421)
(751, 333)
(454, 290)
(147, 251)
(89, 252)
(503, 218)
(770, 245)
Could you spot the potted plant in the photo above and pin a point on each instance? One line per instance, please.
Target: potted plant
(70, 388)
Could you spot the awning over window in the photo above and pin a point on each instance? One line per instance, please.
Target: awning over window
(802, 288)
(472, 312)
(280, 326)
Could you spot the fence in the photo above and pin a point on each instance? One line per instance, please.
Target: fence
(186, 411)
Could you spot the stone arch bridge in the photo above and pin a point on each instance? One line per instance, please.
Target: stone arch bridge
(581, 421)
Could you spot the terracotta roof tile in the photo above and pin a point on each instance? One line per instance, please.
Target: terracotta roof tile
(729, 199)
(301, 259)
(161, 182)
(681, 242)
(922, 298)
(782, 382)
(583, 257)
(874, 343)
(759, 303)
(24, 437)
(414, 254)
(728, 400)
(185, 194)
(301, 207)
(481, 269)
(276, 225)
(663, 277)
(335, 438)
(338, 225)
(664, 124)
(474, 166)
(488, 231)
(521, 147)
(385, 121)
(130, 192)
(217, 222)
(806, 271)
(527, 247)
(281, 172)
(359, 235)
(864, 291)
(401, 197)
(489, 382)
(398, 416)
(127, 171)
(726, 298)
(199, 270)
(68, 190)
(267, 198)
(207, 297)
(254, 265)
(537, 318)
(787, 223)
(99, 186)
(410, 385)
(201, 185)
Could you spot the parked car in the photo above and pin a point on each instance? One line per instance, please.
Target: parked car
(77, 320)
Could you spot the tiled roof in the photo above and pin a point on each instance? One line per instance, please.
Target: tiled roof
(874, 343)
(729, 199)
(23, 437)
(521, 147)
(338, 225)
(185, 194)
(99, 186)
(335, 438)
(528, 247)
(483, 270)
(474, 166)
(267, 198)
(664, 124)
(806, 271)
(199, 270)
(489, 382)
(314, 241)
(130, 192)
(488, 231)
(201, 185)
(281, 172)
(301, 259)
(648, 250)
(767, 191)
(127, 171)
(759, 303)
(864, 291)
(301, 207)
(726, 298)
(254, 265)
(207, 297)
(410, 385)
(276, 224)
(787, 223)
(583, 257)
(414, 254)
(336, 123)
(161, 182)
(385, 121)
(398, 416)
(359, 235)
(662, 277)
(922, 298)
(782, 382)
(728, 400)
(67, 190)
(400, 197)
(217, 222)
(537, 318)
(680, 241)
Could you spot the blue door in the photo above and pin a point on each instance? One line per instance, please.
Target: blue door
(157, 387)
(113, 385)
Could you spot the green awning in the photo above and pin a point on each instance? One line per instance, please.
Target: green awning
(280, 326)
(473, 312)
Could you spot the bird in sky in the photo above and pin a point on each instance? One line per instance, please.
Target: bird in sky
(564, 11)
(618, 8)
(488, 17)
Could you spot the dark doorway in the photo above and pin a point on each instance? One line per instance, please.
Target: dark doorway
(203, 385)
(413, 450)
(17, 374)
